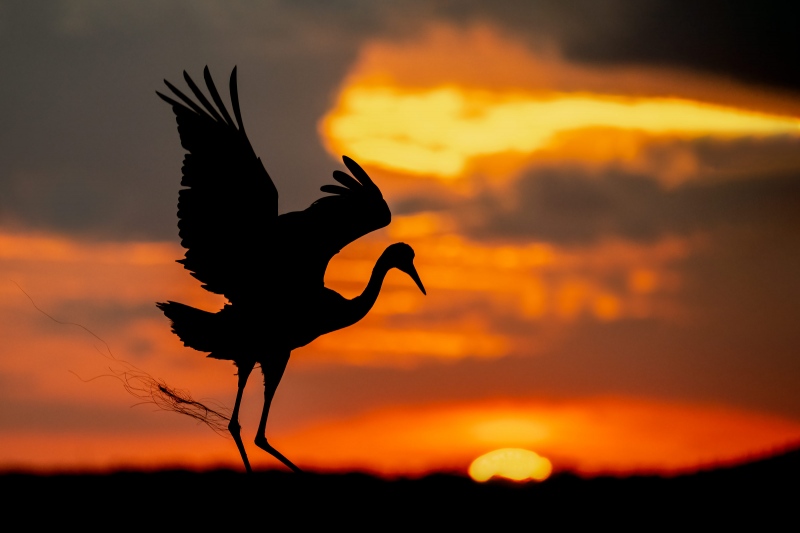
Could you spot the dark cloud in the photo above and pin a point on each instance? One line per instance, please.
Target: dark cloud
(434, 199)
(570, 206)
(86, 147)
(752, 41)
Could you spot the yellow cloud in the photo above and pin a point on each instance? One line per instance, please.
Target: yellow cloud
(451, 100)
(438, 131)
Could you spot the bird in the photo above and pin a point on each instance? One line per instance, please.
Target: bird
(269, 267)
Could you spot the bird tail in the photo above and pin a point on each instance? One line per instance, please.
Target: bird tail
(197, 329)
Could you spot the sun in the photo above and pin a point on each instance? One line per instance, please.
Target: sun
(511, 463)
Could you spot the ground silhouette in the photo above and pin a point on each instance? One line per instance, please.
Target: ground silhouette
(270, 268)
(763, 492)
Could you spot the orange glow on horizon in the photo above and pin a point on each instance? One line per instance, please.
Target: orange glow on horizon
(44, 452)
(589, 436)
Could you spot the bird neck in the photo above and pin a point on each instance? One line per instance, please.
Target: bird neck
(364, 302)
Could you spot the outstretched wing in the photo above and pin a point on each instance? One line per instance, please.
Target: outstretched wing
(309, 239)
(356, 208)
(228, 210)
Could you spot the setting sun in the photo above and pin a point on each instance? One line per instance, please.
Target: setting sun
(511, 463)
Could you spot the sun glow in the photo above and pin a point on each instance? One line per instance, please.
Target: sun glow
(587, 436)
(511, 463)
(439, 131)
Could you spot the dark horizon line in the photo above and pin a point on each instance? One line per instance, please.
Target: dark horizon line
(789, 452)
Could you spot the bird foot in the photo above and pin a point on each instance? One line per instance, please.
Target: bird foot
(261, 442)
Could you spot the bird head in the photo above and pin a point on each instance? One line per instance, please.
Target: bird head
(401, 256)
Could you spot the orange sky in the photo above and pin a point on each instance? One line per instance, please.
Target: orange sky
(595, 348)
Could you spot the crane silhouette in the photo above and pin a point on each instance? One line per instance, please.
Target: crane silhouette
(270, 268)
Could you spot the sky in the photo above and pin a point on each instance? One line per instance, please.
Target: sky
(603, 198)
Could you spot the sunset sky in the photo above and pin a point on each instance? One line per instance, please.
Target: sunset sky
(603, 197)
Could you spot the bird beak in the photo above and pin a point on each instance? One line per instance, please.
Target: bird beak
(413, 273)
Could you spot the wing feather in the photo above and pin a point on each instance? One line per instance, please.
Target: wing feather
(310, 238)
(201, 97)
(346, 180)
(235, 100)
(335, 189)
(188, 101)
(215, 96)
(227, 212)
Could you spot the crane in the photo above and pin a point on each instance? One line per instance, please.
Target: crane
(269, 267)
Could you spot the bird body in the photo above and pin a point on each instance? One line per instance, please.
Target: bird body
(270, 268)
(215, 332)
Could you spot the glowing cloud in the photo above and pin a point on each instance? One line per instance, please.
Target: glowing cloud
(511, 463)
(438, 131)
(411, 437)
(440, 103)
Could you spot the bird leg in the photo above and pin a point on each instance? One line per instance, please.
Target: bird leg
(233, 425)
(272, 368)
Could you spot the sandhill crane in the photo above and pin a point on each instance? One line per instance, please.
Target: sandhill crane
(270, 268)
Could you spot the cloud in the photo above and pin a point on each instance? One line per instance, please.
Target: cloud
(572, 206)
(716, 353)
(87, 148)
(750, 41)
(440, 131)
(454, 103)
